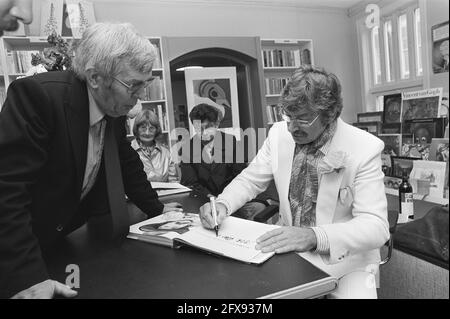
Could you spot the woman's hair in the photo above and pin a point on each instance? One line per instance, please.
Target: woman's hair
(316, 90)
(107, 46)
(146, 117)
(202, 112)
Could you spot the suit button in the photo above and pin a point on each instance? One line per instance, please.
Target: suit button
(59, 228)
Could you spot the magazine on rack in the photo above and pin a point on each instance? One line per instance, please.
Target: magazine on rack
(236, 238)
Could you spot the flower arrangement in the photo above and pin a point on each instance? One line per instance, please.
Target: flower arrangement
(54, 58)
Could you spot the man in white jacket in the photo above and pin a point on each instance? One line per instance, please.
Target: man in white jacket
(333, 206)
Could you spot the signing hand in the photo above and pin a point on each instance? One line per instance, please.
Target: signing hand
(285, 239)
(206, 215)
(172, 207)
(46, 290)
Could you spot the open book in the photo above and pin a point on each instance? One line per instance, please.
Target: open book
(236, 240)
(163, 188)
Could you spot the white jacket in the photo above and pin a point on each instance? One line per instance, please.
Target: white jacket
(351, 204)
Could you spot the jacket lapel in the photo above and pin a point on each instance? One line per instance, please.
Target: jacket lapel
(284, 167)
(77, 118)
(329, 185)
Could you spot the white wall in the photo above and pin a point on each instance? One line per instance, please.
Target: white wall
(332, 31)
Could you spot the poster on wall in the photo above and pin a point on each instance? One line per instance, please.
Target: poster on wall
(80, 15)
(439, 36)
(421, 104)
(51, 17)
(392, 108)
(217, 87)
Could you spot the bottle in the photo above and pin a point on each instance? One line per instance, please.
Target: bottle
(405, 198)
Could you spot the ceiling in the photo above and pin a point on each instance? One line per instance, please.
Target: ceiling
(331, 4)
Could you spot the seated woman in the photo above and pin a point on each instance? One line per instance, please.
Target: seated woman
(156, 157)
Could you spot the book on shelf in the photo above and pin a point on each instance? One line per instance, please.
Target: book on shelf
(155, 91)
(165, 188)
(273, 113)
(236, 238)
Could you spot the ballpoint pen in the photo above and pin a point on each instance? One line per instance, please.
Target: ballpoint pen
(212, 200)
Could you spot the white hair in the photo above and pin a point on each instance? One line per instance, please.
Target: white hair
(106, 46)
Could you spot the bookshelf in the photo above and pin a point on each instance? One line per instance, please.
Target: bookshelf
(280, 58)
(155, 97)
(15, 58)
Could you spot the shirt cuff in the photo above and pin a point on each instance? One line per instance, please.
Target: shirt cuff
(323, 246)
(227, 205)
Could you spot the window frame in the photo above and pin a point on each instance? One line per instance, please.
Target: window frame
(372, 91)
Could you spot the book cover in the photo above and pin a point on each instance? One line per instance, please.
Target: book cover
(236, 240)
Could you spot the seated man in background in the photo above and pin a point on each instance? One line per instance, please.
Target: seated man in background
(210, 168)
(333, 207)
(155, 157)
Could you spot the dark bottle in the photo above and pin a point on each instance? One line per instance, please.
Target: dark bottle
(405, 199)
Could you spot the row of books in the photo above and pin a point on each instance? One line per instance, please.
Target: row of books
(155, 91)
(275, 85)
(273, 113)
(281, 58)
(18, 62)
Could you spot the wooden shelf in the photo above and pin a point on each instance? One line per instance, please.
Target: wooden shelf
(154, 101)
(435, 200)
(280, 68)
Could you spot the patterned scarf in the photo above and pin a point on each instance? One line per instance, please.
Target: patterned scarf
(304, 184)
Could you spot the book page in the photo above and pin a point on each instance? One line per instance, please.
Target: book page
(236, 239)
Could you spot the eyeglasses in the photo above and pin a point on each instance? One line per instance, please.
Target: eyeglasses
(144, 127)
(300, 122)
(136, 87)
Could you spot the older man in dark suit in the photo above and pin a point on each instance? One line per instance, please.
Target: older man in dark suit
(65, 158)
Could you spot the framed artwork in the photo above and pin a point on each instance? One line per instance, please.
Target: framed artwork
(370, 117)
(439, 37)
(392, 144)
(402, 165)
(51, 17)
(80, 15)
(439, 150)
(424, 130)
(428, 178)
(392, 105)
(217, 87)
(421, 104)
(391, 128)
(371, 127)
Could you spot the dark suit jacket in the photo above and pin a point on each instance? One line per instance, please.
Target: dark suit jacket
(211, 178)
(44, 128)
